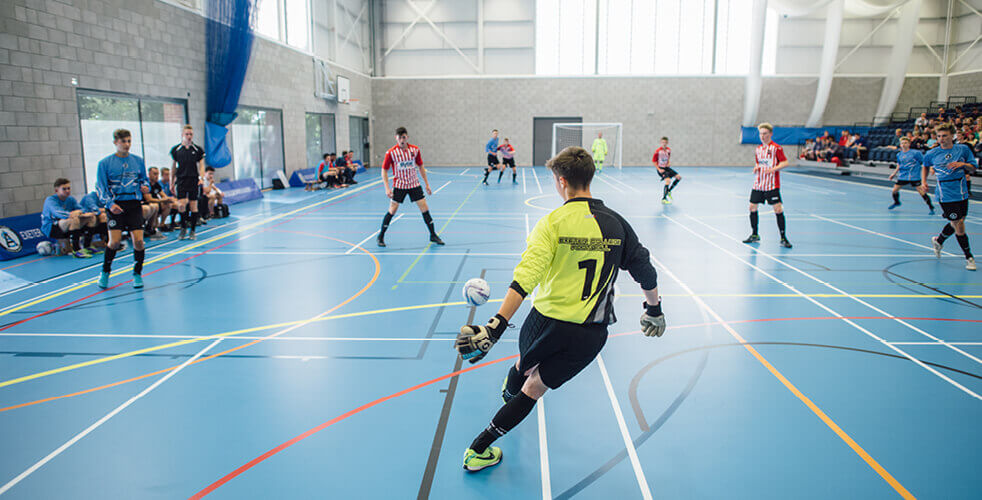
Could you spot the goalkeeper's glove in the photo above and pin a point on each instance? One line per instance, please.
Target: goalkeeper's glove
(653, 320)
(474, 342)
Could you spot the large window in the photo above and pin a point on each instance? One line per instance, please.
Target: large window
(662, 37)
(257, 144)
(320, 137)
(285, 20)
(155, 124)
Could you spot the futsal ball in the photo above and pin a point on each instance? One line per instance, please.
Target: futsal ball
(476, 291)
(45, 248)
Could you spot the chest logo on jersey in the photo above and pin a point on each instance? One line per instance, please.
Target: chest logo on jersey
(579, 244)
(947, 156)
(405, 165)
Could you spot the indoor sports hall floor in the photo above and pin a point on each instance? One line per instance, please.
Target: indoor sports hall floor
(284, 355)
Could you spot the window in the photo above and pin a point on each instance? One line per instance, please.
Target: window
(257, 144)
(155, 124)
(662, 37)
(285, 20)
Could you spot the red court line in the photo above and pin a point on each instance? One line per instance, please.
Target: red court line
(252, 463)
(76, 301)
(22, 263)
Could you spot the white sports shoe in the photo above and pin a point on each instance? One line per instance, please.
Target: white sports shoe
(937, 246)
(970, 264)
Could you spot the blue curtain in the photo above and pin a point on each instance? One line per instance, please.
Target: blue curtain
(228, 41)
(797, 135)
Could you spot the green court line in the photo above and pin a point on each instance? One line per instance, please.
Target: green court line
(428, 245)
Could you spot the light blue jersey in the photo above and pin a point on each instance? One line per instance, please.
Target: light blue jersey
(492, 147)
(90, 203)
(952, 185)
(56, 209)
(909, 165)
(120, 179)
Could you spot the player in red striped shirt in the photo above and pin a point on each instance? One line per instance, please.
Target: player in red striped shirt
(405, 160)
(768, 162)
(663, 163)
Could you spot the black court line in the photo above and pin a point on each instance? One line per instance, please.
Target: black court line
(660, 421)
(439, 312)
(887, 273)
(441, 429)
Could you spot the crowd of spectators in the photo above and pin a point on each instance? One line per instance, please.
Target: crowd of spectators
(335, 171)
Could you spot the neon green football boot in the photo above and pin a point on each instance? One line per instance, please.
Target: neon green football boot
(474, 462)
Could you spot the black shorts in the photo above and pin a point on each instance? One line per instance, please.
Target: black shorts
(908, 183)
(492, 160)
(667, 173)
(130, 219)
(954, 210)
(508, 162)
(56, 232)
(187, 188)
(771, 197)
(415, 194)
(560, 349)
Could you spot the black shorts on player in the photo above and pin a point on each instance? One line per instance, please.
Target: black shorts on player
(508, 162)
(130, 219)
(954, 210)
(771, 197)
(667, 173)
(415, 194)
(560, 349)
(907, 183)
(492, 160)
(188, 188)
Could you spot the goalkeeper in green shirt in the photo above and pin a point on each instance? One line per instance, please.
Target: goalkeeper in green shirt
(573, 256)
(599, 152)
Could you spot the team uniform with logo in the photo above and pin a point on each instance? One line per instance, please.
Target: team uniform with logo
(661, 158)
(952, 190)
(404, 165)
(118, 181)
(186, 173)
(767, 186)
(909, 167)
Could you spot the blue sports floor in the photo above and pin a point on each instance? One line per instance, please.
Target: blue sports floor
(284, 355)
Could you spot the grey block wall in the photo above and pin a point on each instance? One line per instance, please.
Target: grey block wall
(143, 47)
(451, 118)
(965, 84)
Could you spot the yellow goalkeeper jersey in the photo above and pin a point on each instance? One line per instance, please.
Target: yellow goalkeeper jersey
(599, 148)
(573, 255)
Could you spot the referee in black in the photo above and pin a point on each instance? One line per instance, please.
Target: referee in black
(189, 169)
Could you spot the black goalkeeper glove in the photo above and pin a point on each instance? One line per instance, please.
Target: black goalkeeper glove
(474, 342)
(653, 320)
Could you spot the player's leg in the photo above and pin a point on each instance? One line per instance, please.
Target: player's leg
(962, 238)
(896, 196)
(514, 380)
(192, 214)
(501, 171)
(397, 196)
(927, 199)
(781, 223)
(115, 240)
(514, 173)
(481, 454)
(138, 254)
(754, 237)
(675, 182)
(425, 210)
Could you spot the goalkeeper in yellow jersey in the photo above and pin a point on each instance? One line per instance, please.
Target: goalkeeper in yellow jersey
(573, 256)
(599, 150)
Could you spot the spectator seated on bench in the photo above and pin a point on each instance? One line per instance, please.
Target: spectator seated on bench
(62, 218)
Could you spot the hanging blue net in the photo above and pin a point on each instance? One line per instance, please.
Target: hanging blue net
(228, 41)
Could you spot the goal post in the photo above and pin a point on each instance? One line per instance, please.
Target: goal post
(565, 135)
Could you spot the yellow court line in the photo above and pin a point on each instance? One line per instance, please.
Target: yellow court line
(528, 202)
(185, 249)
(179, 343)
(428, 245)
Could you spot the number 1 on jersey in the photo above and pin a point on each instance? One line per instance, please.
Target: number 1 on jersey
(591, 268)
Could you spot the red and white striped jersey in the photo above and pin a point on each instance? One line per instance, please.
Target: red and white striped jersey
(404, 163)
(768, 156)
(661, 156)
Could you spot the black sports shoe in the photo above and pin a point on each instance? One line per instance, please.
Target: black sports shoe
(436, 239)
(753, 238)
(485, 182)
(785, 243)
(380, 241)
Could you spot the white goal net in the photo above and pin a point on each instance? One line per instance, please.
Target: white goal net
(585, 135)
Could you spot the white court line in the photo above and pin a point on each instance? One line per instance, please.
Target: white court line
(828, 309)
(935, 343)
(30, 470)
(441, 187)
(154, 336)
(524, 190)
(464, 172)
(527, 230)
(544, 451)
(605, 181)
(632, 188)
(536, 176)
(874, 186)
(826, 219)
(362, 242)
(628, 443)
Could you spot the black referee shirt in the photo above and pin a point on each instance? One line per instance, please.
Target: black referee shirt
(187, 159)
